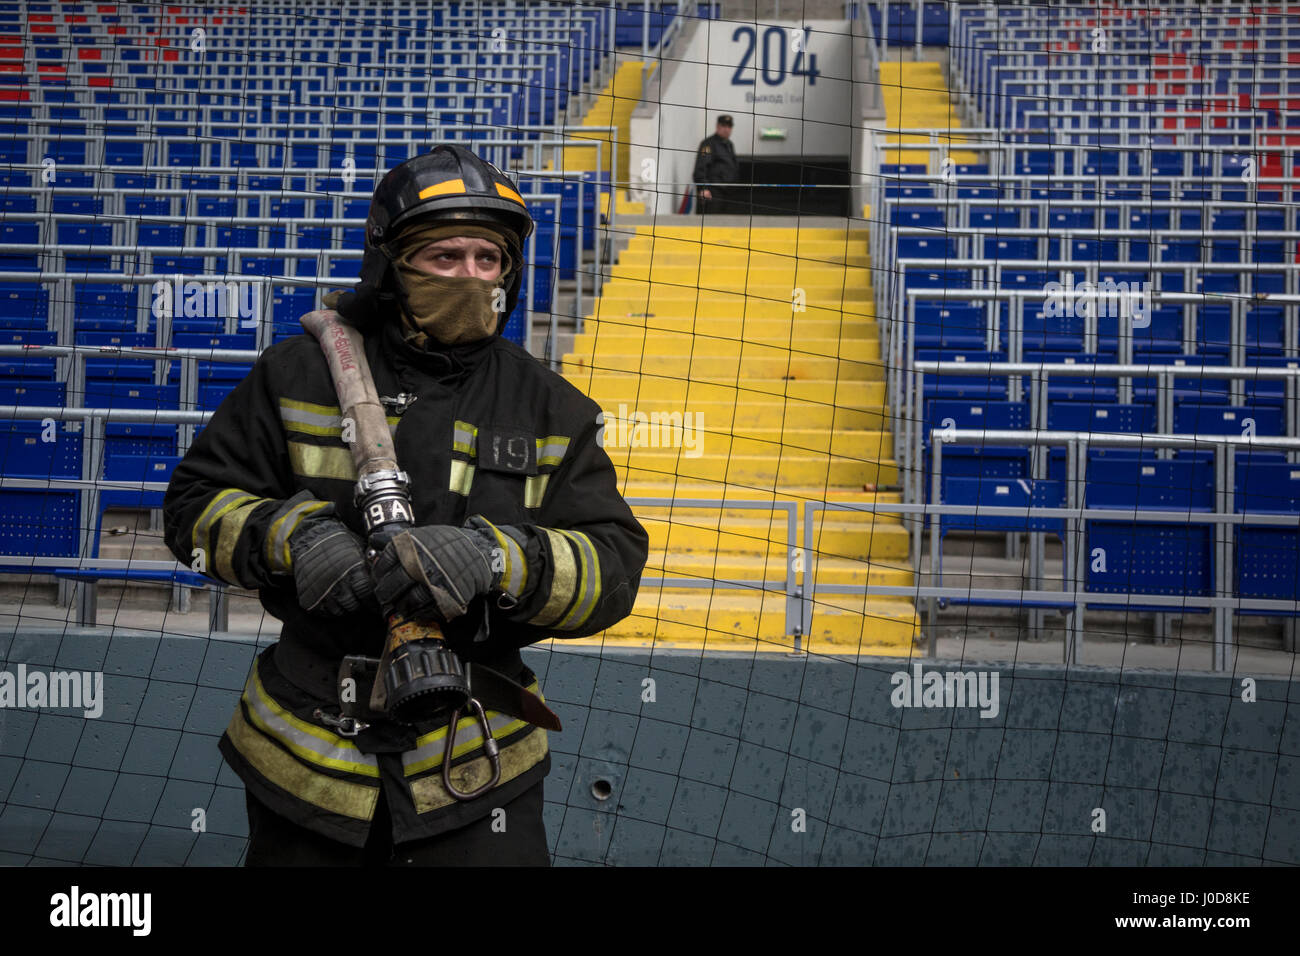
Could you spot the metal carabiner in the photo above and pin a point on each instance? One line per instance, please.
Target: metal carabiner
(490, 747)
(345, 726)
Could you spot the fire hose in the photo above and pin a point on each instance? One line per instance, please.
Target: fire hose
(418, 677)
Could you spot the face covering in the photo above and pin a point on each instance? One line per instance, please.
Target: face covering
(451, 310)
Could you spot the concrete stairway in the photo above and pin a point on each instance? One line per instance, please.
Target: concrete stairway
(744, 364)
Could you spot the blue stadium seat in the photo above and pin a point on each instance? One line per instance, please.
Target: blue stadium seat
(1149, 557)
(1267, 559)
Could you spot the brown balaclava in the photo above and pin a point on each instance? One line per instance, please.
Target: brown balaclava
(452, 309)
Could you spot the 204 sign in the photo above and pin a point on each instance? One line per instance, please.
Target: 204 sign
(772, 67)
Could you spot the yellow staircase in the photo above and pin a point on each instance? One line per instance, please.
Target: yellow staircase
(744, 364)
(916, 97)
(613, 107)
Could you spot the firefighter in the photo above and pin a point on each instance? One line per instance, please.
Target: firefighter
(521, 536)
(715, 168)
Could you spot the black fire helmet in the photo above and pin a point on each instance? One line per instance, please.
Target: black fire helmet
(446, 184)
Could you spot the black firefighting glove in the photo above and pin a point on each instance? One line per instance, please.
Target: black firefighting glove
(437, 570)
(329, 566)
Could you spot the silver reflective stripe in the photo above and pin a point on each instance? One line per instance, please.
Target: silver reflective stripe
(516, 570)
(469, 737)
(551, 450)
(315, 421)
(300, 417)
(318, 746)
(465, 438)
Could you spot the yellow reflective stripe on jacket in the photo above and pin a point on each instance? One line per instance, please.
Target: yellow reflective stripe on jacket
(564, 578)
(551, 449)
(321, 461)
(535, 490)
(428, 793)
(278, 558)
(309, 418)
(464, 438)
(588, 581)
(462, 477)
(355, 800)
(231, 527)
(575, 584)
(306, 741)
(221, 504)
(514, 577)
(430, 747)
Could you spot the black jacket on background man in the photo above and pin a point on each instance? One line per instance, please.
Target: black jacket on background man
(715, 162)
(489, 431)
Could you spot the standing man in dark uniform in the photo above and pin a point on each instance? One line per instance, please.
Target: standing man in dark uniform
(522, 536)
(716, 166)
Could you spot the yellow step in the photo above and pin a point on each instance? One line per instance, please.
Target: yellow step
(913, 157)
(792, 249)
(596, 347)
(658, 487)
(744, 414)
(608, 388)
(819, 292)
(705, 313)
(729, 566)
(751, 237)
(777, 366)
(613, 106)
(626, 207)
(711, 258)
(701, 438)
(629, 386)
(691, 501)
(757, 471)
(915, 96)
(792, 271)
(633, 431)
(783, 403)
(730, 620)
(781, 328)
(732, 242)
(856, 537)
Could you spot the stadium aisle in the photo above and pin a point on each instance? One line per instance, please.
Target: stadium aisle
(714, 388)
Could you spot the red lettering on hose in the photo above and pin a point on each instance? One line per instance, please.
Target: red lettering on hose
(342, 348)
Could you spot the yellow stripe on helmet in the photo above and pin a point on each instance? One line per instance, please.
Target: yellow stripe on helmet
(443, 189)
(505, 191)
